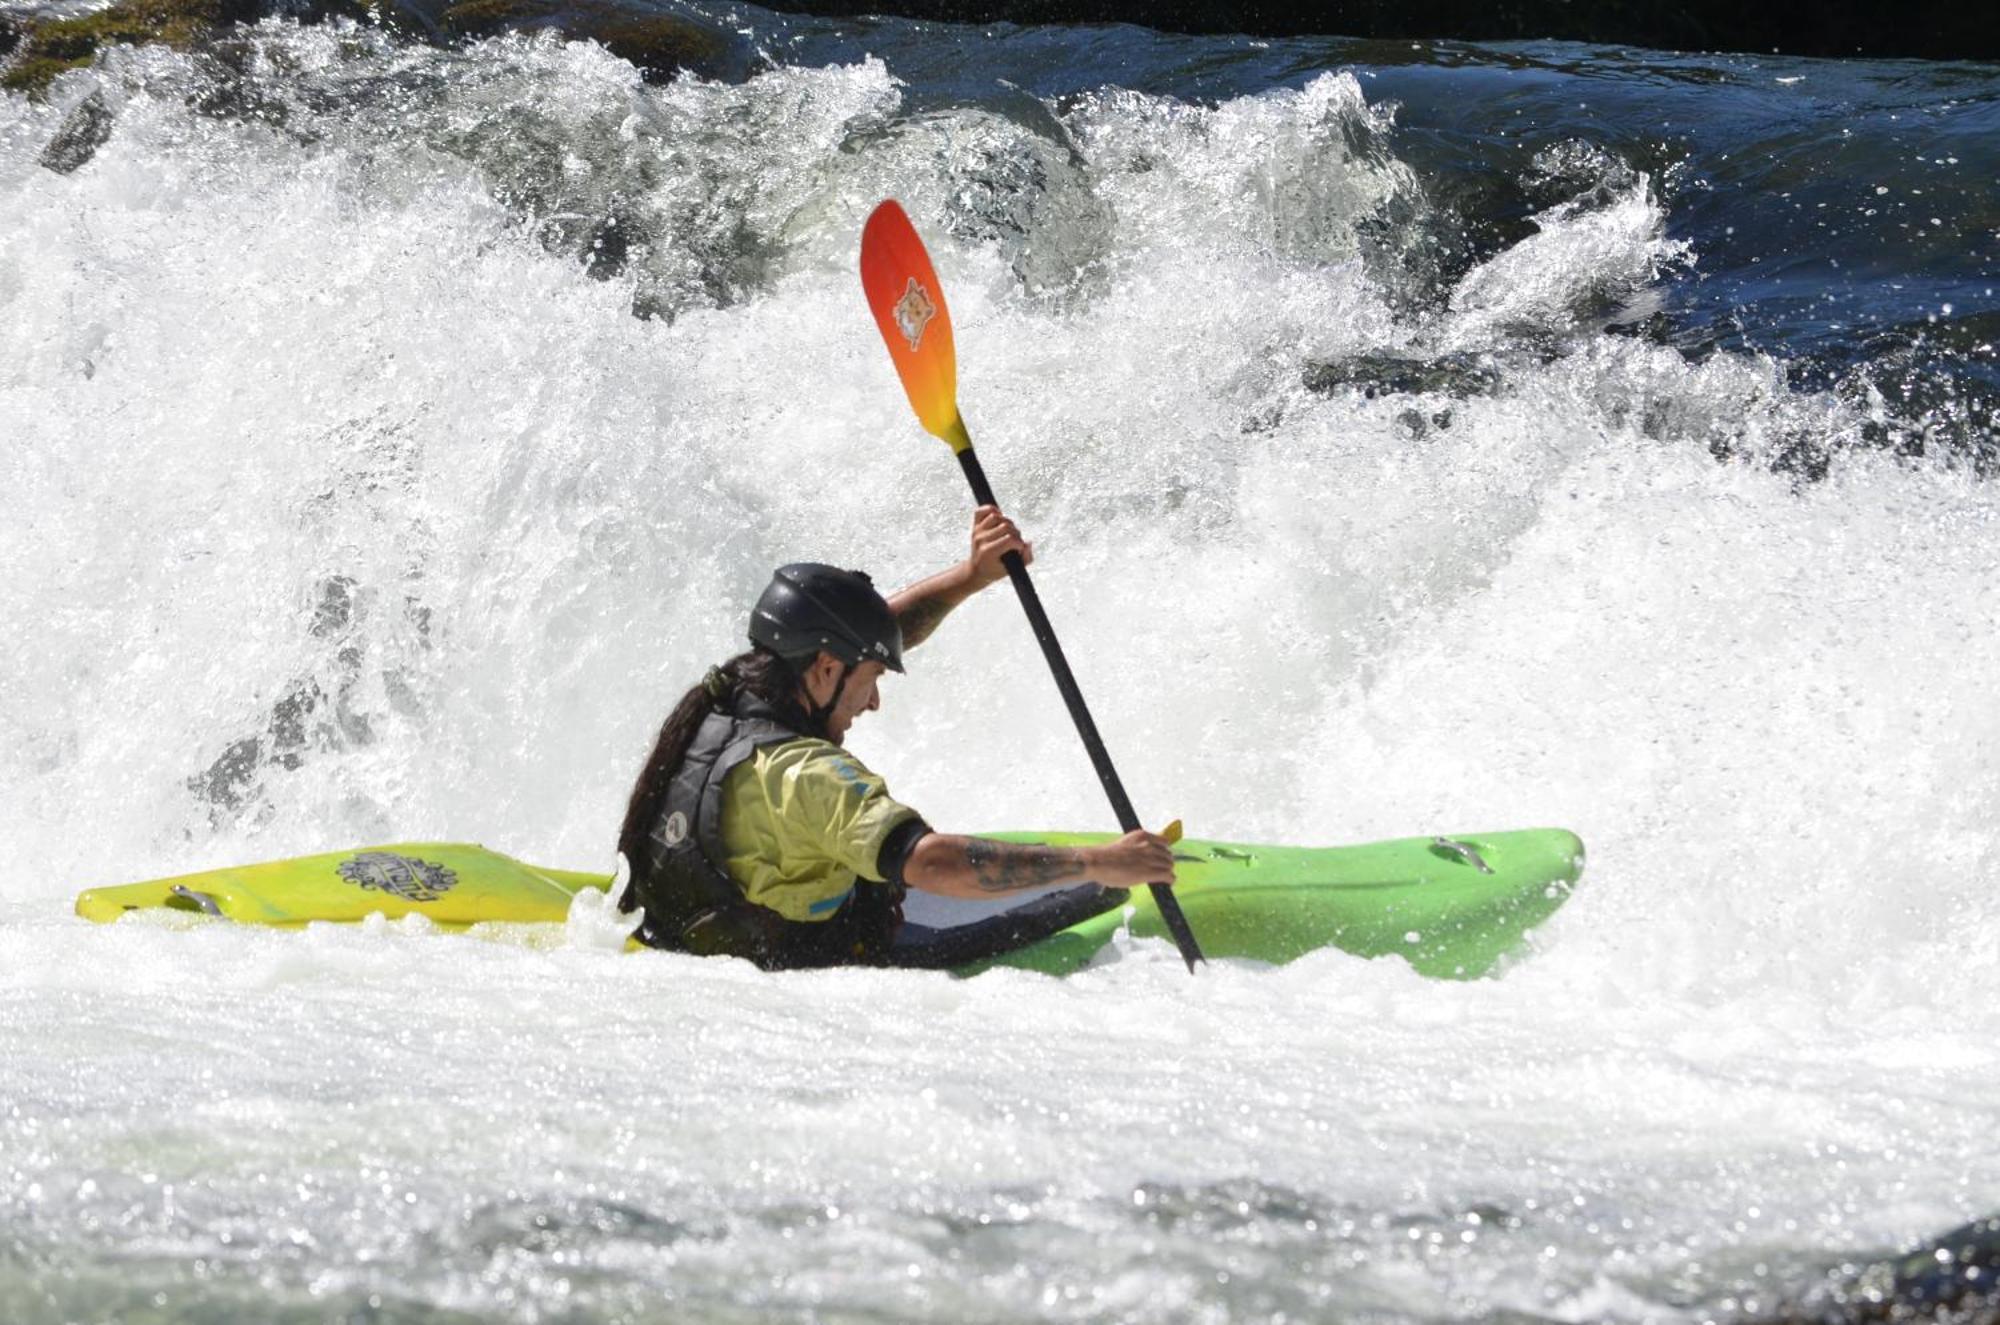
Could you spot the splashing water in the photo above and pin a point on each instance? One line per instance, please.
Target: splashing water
(390, 440)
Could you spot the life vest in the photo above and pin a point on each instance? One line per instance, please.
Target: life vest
(690, 902)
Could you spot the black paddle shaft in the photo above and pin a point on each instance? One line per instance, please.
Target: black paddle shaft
(1100, 758)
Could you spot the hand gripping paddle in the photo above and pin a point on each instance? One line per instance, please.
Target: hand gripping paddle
(908, 303)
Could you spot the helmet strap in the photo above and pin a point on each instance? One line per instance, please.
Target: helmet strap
(825, 711)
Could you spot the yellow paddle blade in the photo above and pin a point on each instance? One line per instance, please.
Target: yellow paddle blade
(908, 303)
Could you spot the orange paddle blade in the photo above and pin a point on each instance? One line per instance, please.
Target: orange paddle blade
(908, 304)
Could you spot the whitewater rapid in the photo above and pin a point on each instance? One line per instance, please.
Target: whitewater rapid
(347, 505)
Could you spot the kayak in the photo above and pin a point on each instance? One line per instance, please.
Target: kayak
(1452, 907)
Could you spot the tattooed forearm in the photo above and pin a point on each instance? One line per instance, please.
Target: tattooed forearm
(1006, 867)
(920, 618)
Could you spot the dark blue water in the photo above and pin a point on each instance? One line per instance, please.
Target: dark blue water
(1844, 216)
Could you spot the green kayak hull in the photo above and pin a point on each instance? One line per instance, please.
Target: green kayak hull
(1451, 906)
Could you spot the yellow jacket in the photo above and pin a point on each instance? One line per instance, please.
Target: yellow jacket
(801, 821)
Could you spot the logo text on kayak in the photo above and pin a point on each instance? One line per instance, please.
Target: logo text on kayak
(406, 877)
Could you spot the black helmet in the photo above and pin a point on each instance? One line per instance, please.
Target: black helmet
(809, 607)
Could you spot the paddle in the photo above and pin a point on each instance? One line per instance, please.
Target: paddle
(908, 303)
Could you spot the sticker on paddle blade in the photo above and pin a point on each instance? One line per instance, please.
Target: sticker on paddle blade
(914, 312)
(910, 311)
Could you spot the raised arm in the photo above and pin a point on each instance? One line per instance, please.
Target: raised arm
(955, 866)
(920, 607)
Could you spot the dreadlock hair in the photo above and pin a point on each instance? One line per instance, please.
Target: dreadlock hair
(758, 672)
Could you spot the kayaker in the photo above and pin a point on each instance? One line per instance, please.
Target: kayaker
(751, 832)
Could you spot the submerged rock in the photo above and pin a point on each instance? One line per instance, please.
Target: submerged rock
(1954, 1279)
(85, 129)
(662, 46)
(330, 708)
(1456, 375)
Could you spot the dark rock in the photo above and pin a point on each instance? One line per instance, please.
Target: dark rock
(1954, 1280)
(229, 89)
(1455, 375)
(1958, 1273)
(85, 129)
(661, 45)
(52, 46)
(1928, 29)
(609, 246)
(322, 712)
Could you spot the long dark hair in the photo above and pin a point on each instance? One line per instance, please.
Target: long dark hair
(758, 672)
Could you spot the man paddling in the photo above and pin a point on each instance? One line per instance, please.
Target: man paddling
(752, 833)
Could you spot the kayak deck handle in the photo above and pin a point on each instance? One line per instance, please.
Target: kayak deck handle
(202, 901)
(1465, 851)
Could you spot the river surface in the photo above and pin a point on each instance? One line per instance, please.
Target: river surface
(1415, 437)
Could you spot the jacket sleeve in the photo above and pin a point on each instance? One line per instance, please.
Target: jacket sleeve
(832, 798)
